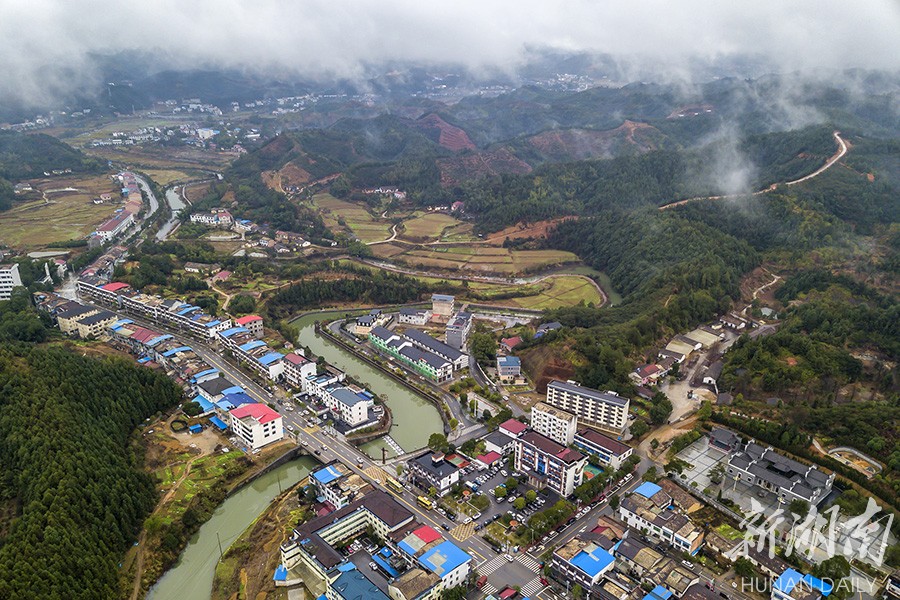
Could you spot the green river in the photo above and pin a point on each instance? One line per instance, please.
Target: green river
(192, 577)
(414, 417)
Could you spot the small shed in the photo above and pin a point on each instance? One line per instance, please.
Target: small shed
(195, 428)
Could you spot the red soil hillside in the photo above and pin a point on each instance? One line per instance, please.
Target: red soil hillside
(483, 164)
(583, 144)
(447, 135)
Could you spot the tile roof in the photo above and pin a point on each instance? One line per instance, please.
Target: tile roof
(259, 412)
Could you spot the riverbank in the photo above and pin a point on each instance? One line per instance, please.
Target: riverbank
(246, 568)
(195, 474)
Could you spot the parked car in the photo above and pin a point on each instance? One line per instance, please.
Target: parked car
(508, 557)
(688, 565)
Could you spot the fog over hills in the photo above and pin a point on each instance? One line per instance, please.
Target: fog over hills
(54, 50)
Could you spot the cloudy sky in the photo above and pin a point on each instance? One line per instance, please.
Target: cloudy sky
(336, 37)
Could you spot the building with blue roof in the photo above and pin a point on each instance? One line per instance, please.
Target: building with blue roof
(351, 407)
(218, 423)
(205, 405)
(232, 401)
(658, 593)
(583, 560)
(509, 367)
(327, 474)
(270, 358)
(175, 351)
(251, 345)
(233, 331)
(648, 489)
(353, 585)
(449, 562)
(794, 585)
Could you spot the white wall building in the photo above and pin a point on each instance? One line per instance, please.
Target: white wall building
(257, 425)
(558, 425)
(603, 410)
(9, 278)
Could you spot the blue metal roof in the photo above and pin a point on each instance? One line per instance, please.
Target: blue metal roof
(788, 580)
(235, 389)
(184, 311)
(647, 489)
(204, 374)
(271, 357)
(280, 573)
(143, 360)
(509, 361)
(251, 345)
(347, 396)
(232, 331)
(443, 558)
(213, 323)
(231, 401)
(592, 563)
(326, 475)
(205, 404)
(817, 584)
(159, 339)
(174, 351)
(658, 593)
(218, 423)
(385, 566)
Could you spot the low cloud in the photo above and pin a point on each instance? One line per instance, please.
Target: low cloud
(47, 45)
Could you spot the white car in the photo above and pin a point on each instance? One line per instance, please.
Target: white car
(290, 428)
(508, 557)
(467, 520)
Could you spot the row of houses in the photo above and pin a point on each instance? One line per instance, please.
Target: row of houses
(124, 217)
(176, 313)
(420, 352)
(72, 317)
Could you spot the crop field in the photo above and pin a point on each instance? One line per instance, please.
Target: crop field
(166, 176)
(433, 226)
(65, 215)
(483, 259)
(356, 219)
(565, 290)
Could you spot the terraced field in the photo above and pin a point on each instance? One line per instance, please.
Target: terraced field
(356, 219)
(483, 259)
(434, 226)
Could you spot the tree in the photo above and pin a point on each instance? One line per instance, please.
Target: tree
(455, 593)
(432, 491)
(744, 568)
(192, 408)
(717, 473)
(651, 475)
(834, 570)
(500, 492)
(614, 501)
(512, 483)
(530, 496)
(453, 424)
(639, 428)
(519, 503)
(484, 347)
(799, 507)
(438, 442)
(577, 591)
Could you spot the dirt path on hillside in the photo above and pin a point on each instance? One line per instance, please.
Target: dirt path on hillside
(838, 155)
(142, 539)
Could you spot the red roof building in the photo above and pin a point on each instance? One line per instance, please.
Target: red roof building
(513, 428)
(259, 412)
(115, 286)
(248, 319)
(427, 534)
(511, 342)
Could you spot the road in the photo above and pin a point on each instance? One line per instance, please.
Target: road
(838, 155)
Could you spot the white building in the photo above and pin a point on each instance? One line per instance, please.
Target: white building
(252, 323)
(648, 510)
(549, 464)
(298, 369)
(414, 316)
(352, 407)
(603, 410)
(115, 226)
(257, 425)
(558, 425)
(458, 329)
(9, 278)
(433, 470)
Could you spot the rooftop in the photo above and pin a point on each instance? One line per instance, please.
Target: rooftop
(444, 558)
(513, 426)
(248, 319)
(548, 446)
(353, 585)
(604, 441)
(552, 410)
(432, 344)
(258, 412)
(509, 361)
(574, 388)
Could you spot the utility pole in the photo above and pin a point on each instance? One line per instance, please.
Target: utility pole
(221, 554)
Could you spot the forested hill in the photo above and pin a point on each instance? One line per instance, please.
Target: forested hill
(652, 179)
(76, 493)
(23, 156)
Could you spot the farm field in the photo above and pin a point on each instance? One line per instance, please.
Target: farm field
(166, 176)
(434, 226)
(66, 215)
(357, 219)
(483, 259)
(556, 292)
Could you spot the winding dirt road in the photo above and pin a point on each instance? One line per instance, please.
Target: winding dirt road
(838, 155)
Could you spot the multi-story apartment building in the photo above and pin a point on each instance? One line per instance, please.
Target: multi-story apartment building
(297, 369)
(93, 326)
(583, 560)
(337, 485)
(549, 464)
(610, 452)
(256, 424)
(9, 279)
(352, 407)
(458, 329)
(558, 425)
(603, 410)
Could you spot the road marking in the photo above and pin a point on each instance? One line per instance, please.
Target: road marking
(463, 532)
(532, 587)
